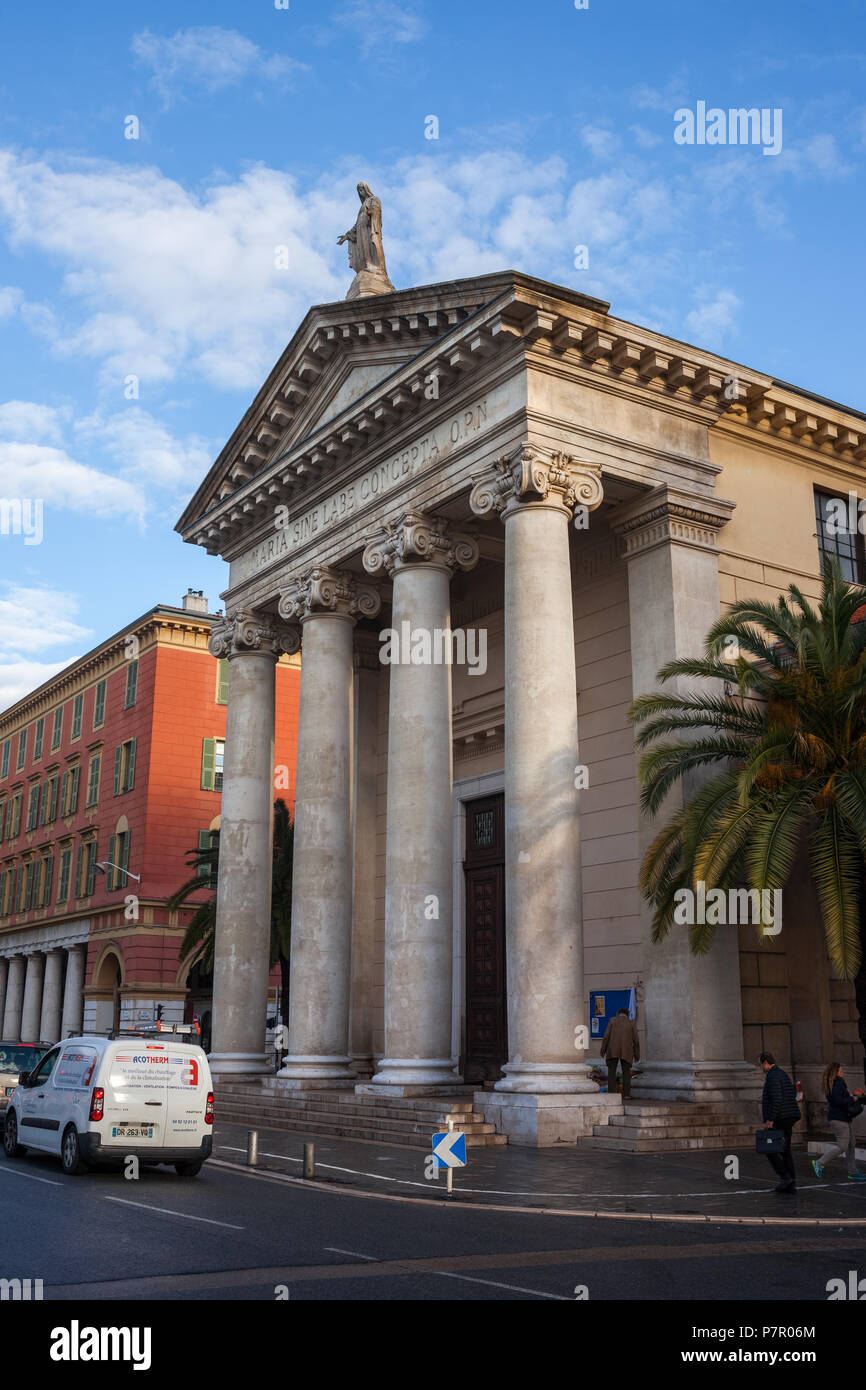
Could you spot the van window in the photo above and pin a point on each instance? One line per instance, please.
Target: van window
(45, 1068)
(75, 1069)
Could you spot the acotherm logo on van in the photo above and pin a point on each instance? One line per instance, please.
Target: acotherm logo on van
(77, 1343)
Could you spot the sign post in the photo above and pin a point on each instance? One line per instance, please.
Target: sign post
(449, 1152)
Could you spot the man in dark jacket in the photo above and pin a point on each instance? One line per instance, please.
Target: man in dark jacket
(780, 1111)
(620, 1044)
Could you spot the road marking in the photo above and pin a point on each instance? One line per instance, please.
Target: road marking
(536, 1293)
(145, 1206)
(14, 1173)
(335, 1249)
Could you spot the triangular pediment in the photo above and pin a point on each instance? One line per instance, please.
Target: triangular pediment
(340, 354)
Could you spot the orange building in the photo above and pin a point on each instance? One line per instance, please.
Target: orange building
(109, 773)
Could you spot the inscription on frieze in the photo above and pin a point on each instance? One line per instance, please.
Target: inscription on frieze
(292, 531)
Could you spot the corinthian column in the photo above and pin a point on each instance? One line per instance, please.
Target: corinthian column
(14, 998)
(252, 644)
(326, 603)
(420, 553)
(536, 494)
(32, 1007)
(49, 1024)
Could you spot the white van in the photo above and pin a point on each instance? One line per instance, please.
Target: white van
(97, 1100)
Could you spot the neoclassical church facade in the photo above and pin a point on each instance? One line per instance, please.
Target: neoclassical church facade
(568, 500)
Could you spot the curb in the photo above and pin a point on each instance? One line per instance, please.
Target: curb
(324, 1185)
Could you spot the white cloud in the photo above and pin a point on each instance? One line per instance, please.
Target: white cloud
(40, 471)
(206, 57)
(378, 23)
(10, 298)
(715, 317)
(602, 143)
(647, 139)
(146, 451)
(35, 620)
(30, 422)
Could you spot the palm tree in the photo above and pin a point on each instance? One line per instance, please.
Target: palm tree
(786, 739)
(200, 931)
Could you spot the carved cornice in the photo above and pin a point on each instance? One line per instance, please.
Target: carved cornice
(420, 539)
(324, 592)
(247, 631)
(665, 515)
(534, 475)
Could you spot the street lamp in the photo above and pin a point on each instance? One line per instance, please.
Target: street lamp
(107, 864)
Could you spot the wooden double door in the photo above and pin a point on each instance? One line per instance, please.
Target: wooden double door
(486, 1032)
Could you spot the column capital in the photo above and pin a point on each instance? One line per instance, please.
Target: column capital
(532, 475)
(247, 630)
(418, 539)
(668, 515)
(324, 592)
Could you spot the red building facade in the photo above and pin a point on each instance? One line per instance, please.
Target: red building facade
(109, 774)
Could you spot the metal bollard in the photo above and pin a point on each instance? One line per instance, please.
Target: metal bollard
(309, 1160)
(253, 1148)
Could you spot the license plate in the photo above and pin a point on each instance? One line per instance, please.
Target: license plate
(132, 1132)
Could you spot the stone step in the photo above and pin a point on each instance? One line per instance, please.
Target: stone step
(732, 1132)
(262, 1105)
(418, 1139)
(655, 1146)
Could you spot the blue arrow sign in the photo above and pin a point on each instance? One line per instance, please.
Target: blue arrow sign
(449, 1149)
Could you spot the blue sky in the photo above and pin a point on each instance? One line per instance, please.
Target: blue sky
(154, 257)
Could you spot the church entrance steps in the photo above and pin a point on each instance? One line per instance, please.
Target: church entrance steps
(668, 1127)
(408, 1121)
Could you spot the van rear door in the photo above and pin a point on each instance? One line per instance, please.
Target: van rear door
(189, 1082)
(136, 1090)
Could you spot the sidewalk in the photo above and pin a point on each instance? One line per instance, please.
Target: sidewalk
(564, 1179)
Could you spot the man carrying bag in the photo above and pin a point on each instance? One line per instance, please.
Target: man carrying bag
(781, 1112)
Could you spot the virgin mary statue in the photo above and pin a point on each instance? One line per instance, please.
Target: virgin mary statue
(366, 252)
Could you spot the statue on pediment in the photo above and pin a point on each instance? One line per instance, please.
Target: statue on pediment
(366, 251)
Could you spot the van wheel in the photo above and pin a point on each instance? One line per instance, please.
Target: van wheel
(70, 1153)
(11, 1147)
(187, 1170)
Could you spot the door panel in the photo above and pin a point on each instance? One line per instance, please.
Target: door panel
(486, 1040)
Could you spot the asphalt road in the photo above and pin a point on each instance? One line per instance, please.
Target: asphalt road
(240, 1236)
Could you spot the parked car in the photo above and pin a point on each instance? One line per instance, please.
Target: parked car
(96, 1100)
(16, 1057)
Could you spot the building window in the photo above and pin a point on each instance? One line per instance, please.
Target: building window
(22, 750)
(93, 779)
(131, 684)
(222, 697)
(99, 706)
(118, 856)
(48, 802)
(47, 875)
(2, 818)
(207, 839)
(124, 767)
(77, 716)
(38, 738)
(4, 761)
(837, 539)
(85, 870)
(212, 756)
(57, 729)
(69, 795)
(13, 817)
(32, 807)
(25, 887)
(65, 867)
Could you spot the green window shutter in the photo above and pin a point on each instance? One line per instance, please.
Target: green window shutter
(16, 892)
(2, 890)
(9, 819)
(16, 815)
(28, 886)
(78, 872)
(118, 764)
(65, 866)
(63, 793)
(99, 705)
(222, 682)
(32, 807)
(4, 766)
(43, 802)
(52, 808)
(130, 766)
(73, 789)
(203, 870)
(208, 758)
(124, 860)
(131, 684)
(46, 884)
(112, 859)
(40, 734)
(2, 817)
(91, 871)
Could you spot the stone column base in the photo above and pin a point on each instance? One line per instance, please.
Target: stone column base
(431, 1072)
(362, 1065)
(698, 1081)
(539, 1120)
(226, 1064)
(315, 1073)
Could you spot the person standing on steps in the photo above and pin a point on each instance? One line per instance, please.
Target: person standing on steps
(620, 1044)
(780, 1111)
(842, 1110)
